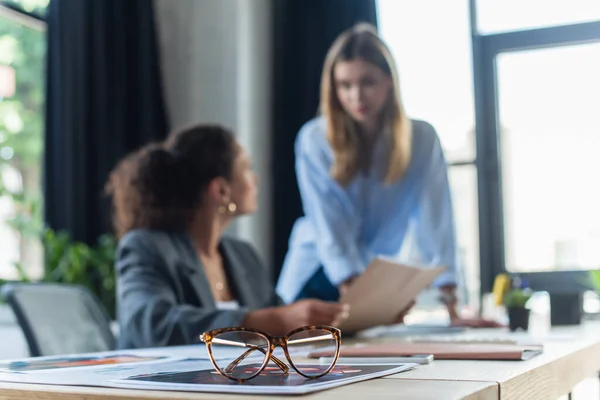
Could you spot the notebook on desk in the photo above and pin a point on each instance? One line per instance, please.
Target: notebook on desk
(412, 330)
(441, 351)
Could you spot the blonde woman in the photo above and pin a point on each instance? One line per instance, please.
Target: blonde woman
(366, 172)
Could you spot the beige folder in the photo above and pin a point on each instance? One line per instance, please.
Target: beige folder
(440, 351)
(385, 288)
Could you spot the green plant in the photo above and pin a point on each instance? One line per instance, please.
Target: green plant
(21, 126)
(517, 297)
(72, 262)
(594, 279)
(511, 291)
(23, 49)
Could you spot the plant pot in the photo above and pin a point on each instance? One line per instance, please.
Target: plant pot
(518, 317)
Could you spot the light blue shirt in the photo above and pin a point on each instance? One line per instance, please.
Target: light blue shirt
(344, 228)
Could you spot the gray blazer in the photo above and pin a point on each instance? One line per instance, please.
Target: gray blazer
(164, 297)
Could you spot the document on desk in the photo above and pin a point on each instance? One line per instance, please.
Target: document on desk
(270, 381)
(166, 369)
(380, 294)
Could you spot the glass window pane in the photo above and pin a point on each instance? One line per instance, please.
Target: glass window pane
(550, 141)
(433, 53)
(22, 53)
(463, 184)
(495, 16)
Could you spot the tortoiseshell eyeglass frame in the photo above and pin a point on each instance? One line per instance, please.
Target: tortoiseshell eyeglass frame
(272, 342)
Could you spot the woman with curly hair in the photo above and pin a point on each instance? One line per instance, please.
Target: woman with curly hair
(177, 274)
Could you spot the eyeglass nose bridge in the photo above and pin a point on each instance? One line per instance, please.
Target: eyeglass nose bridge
(273, 342)
(278, 341)
(267, 349)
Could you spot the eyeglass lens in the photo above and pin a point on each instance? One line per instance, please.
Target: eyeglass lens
(250, 348)
(310, 339)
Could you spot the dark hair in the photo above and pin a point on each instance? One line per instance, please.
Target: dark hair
(160, 186)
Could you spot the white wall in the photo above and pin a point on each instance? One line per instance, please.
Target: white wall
(216, 60)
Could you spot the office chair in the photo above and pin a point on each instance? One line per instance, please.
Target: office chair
(59, 318)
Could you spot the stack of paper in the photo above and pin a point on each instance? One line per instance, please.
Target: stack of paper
(169, 369)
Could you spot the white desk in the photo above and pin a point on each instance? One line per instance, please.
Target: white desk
(563, 364)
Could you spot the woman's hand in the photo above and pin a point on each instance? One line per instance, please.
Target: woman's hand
(343, 287)
(315, 312)
(455, 318)
(403, 313)
(475, 323)
(281, 320)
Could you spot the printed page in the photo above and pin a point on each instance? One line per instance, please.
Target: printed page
(385, 288)
(88, 361)
(74, 362)
(164, 372)
(270, 381)
(100, 369)
(102, 376)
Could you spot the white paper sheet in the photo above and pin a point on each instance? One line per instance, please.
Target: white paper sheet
(377, 297)
(100, 376)
(74, 362)
(152, 366)
(102, 359)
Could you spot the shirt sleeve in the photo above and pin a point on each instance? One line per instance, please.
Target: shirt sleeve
(328, 208)
(435, 233)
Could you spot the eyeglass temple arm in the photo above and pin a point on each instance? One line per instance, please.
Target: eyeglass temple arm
(277, 361)
(252, 347)
(310, 339)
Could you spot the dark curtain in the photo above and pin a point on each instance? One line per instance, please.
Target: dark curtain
(104, 99)
(303, 32)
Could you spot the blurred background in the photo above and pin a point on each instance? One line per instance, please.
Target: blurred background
(512, 88)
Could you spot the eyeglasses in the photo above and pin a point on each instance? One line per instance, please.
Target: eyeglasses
(223, 345)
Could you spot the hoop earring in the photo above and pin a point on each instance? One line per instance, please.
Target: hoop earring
(231, 208)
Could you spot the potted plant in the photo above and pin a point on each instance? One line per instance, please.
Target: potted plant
(595, 280)
(72, 262)
(514, 293)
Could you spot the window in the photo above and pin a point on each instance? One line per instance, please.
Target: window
(431, 42)
(494, 16)
(550, 140)
(433, 54)
(22, 54)
(536, 100)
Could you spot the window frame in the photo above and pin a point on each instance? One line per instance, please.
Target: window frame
(487, 135)
(30, 21)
